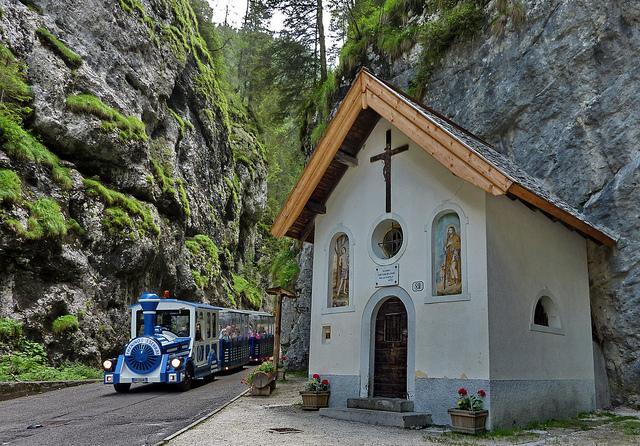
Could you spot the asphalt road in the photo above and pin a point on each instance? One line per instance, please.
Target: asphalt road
(94, 414)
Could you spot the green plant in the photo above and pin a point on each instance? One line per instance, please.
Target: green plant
(129, 127)
(468, 401)
(72, 59)
(184, 198)
(163, 174)
(284, 267)
(10, 330)
(265, 367)
(204, 260)
(66, 323)
(10, 186)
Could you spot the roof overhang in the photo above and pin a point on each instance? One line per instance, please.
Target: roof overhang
(368, 99)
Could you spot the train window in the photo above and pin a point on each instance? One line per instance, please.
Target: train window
(176, 322)
(208, 325)
(200, 319)
(213, 324)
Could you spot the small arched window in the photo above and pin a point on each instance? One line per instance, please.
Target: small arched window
(546, 316)
(339, 271)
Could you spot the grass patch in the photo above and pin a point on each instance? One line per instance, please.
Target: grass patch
(72, 59)
(14, 91)
(45, 221)
(64, 324)
(21, 367)
(629, 427)
(129, 127)
(162, 172)
(128, 205)
(117, 221)
(10, 186)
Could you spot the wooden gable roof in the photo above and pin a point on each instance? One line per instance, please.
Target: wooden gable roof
(463, 153)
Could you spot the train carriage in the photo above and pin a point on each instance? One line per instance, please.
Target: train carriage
(261, 334)
(234, 339)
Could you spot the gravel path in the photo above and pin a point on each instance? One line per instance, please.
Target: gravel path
(93, 414)
(279, 420)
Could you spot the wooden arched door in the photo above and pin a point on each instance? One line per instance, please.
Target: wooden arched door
(390, 350)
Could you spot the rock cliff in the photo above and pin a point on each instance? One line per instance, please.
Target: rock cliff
(135, 171)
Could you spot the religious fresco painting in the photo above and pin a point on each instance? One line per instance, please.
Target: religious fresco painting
(340, 272)
(447, 255)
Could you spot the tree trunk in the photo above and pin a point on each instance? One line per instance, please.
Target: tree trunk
(322, 43)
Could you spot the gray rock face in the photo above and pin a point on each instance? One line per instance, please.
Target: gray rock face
(296, 315)
(562, 98)
(97, 274)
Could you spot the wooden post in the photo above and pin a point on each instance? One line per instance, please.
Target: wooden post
(279, 293)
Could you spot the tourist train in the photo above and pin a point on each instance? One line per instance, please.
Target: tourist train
(174, 341)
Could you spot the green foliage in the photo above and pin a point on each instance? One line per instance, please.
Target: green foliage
(10, 331)
(117, 221)
(64, 324)
(19, 143)
(15, 94)
(248, 289)
(135, 209)
(10, 186)
(629, 427)
(163, 173)
(284, 268)
(265, 367)
(508, 11)
(45, 220)
(203, 259)
(72, 59)
(129, 127)
(21, 366)
(462, 21)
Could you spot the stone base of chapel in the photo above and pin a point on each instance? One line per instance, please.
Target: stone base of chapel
(511, 403)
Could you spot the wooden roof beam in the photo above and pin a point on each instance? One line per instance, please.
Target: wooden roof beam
(315, 207)
(348, 160)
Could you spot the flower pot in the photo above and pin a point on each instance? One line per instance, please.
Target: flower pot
(263, 384)
(468, 421)
(314, 400)
(282, 374)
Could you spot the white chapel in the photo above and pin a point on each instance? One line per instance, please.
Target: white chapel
(440, 264)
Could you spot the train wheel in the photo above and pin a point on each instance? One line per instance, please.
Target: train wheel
(187, 381)
(122, 388)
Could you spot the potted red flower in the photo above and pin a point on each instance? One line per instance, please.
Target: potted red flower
(469, 417)
(316, 393)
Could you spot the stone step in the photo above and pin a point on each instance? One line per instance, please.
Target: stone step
(388, 404)
(405, 420)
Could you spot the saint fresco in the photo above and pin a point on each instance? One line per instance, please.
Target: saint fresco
(448, 259)
(340, 272)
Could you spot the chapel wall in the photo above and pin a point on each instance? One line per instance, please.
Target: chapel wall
(451, 337)
(530, 256)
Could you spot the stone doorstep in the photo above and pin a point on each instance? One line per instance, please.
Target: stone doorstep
(405, 420)
(388, 404)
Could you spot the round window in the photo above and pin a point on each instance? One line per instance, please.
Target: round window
(387, 239)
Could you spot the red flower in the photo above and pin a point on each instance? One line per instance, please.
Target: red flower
(482, 393)
(462, 391)
(325, 382)
(316, 376)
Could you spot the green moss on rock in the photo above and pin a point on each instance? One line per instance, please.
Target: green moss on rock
(72, 59)
(248, 289)
(129, 127)
(203, 259)
(45, 221)
(15, 94)
(129, 205)
(10, 186)
(184, 198)
(64, 324)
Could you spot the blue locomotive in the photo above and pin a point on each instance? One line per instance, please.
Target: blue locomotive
(175, 342)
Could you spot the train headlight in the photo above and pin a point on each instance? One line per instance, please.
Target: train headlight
(176, 362)
(108, 364)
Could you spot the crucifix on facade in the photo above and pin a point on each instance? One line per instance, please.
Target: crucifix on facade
(385, 157)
